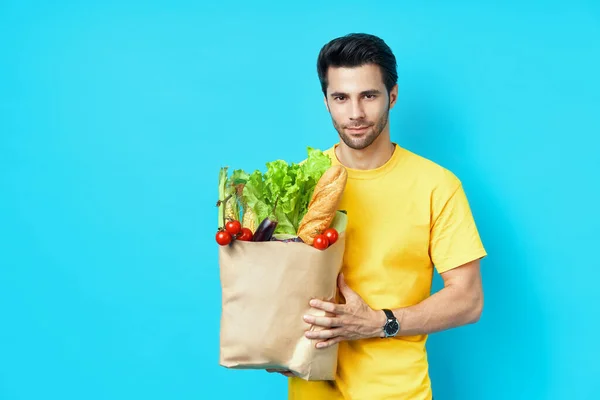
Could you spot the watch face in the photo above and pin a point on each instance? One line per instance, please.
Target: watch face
(392, 328)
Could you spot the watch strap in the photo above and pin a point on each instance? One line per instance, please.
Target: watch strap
(389, 314)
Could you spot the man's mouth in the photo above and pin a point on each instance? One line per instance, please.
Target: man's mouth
(357, 129)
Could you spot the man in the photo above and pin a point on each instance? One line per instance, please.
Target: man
(407, 216)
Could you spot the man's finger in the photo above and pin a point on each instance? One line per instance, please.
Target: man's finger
(329, 343)
(326, 322)
(346, 290)
(325, 333)
(327, 306)
(289, 374)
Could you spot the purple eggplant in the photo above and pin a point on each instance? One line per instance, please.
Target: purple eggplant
(266, 229)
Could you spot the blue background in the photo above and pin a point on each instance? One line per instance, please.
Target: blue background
(114, 120)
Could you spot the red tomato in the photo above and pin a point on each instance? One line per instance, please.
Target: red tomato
(223, 238)
(233, 227)
(321, 242)
(246, 235)
(332, 235)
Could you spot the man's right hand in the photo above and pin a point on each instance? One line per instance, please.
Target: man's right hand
(289, 374)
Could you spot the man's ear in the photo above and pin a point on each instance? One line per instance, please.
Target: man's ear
(393, 96)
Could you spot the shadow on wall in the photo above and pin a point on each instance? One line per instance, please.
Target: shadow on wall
(504, 355)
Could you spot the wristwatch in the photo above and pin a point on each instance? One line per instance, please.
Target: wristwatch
(391, 327)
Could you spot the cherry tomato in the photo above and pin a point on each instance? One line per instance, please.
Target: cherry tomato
(233, 227)
(223, 238)
(246, 235)
(321, 242)
(332, 235)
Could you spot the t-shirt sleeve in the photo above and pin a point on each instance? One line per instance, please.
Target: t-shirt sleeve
(454, 238)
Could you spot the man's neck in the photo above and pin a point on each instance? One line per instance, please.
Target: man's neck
(372, 157)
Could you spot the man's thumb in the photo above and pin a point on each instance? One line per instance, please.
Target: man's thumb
(344, 288)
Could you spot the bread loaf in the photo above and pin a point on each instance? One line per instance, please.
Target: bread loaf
(323, 204)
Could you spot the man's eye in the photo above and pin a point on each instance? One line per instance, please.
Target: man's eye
(339, 98)
(370, 96)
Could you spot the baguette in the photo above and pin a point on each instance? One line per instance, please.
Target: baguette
(323, 204)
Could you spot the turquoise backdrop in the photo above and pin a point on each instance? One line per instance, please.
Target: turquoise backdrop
(115, 117)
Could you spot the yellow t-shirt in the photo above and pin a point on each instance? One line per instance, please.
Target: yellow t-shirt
(404, 219)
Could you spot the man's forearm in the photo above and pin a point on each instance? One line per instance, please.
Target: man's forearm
(449, 308)
(459, 303)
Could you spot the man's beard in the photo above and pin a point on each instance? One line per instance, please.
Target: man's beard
(370, 135)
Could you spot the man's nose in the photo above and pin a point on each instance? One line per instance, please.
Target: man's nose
(356, 111)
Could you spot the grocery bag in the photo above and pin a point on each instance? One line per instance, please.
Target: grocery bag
(266, 289)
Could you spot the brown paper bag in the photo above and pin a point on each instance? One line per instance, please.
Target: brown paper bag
(266, 289)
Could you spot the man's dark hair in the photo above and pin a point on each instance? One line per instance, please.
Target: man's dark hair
(356, 50)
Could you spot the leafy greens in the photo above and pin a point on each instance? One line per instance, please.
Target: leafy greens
(290, 185)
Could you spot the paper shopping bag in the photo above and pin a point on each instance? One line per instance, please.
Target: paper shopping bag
(266, 289)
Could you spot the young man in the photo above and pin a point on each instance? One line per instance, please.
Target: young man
(407, 216)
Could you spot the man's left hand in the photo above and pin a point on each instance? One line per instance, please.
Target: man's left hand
(350, 321)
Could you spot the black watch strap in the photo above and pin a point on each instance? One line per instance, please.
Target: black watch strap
(389, 314)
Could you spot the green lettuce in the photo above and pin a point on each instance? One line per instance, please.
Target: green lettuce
(222, 186)
(284, 191)
(230, 193)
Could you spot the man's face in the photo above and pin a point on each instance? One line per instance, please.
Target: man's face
(359, 104)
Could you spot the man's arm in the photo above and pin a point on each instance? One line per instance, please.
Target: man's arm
(460, 302)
